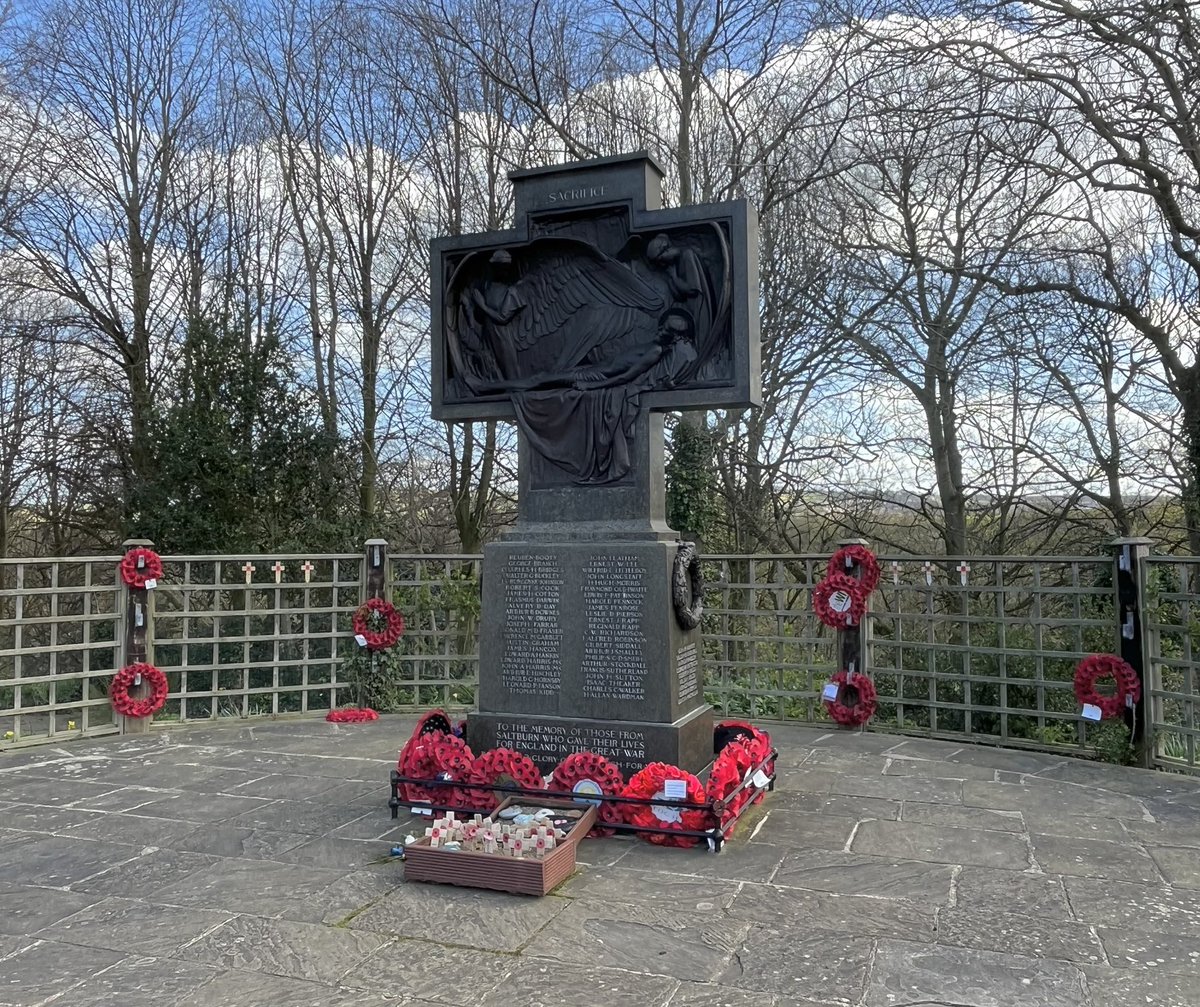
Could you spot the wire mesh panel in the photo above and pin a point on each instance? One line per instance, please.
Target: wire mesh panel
(986, 647)
(58, 626)
(253, 635)
(766, 655)
(437, 661)
(1172, 613)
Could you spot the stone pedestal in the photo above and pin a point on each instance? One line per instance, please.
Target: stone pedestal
(580, 651)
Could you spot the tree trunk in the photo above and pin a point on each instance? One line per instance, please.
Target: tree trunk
(1190, 401)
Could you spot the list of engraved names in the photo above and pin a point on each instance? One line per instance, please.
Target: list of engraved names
(532, 660)
(614, 595)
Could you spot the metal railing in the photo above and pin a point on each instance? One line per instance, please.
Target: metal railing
(981, 649)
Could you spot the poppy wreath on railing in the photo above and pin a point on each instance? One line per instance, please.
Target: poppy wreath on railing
(1091, 669)
(379, 623)
(140, 565)
(133, 675)
(435, 756)
(728, 771)
(650, 784)
(586, 773)
(856, 700)
(351, 715)
(840, 601)
(504, 767)
(758, 743)
(848, 555)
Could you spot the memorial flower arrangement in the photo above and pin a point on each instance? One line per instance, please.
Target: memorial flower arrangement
(586, 773)
(850, 556)
(134, 675)
(839, 601)
(655, 783)
(856, 699)
(729, 771)
(1092, 669)
(377, 624)
(140, 565)
(351, 715)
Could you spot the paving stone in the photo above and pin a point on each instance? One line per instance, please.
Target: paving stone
(339, 854)
(1137, 907)
(711, 995)
(1139, 783)
(1129, 948)
(262, 887)
(1024, 934)
(1109, 987)
(1041, 895)
(312, 819)
(205, 807)
(861, 874)
(25, 909)
(847, 762)
(959, 817)
(127, 925)
(909, 973)
(1179, 865)
(1054, 823)
(430, 971)
(236, 988)
(867, 742)
(346, 897)
(671, 892)
(132, 830)
(232, 841)
(601, 851)
(27, 818)
(901, 788)
(141, 982)
(804, 780)
(37, 973)
(819, 832)
(55, 862)
(127, 799)
(1172, 813)
(923, 748)
(1162, 834)
(859, 916)
(926, 770)
(147, 875)
(1006, 759)
(535, 982)
(825, 967)
(739, 860)
(1049, 798)
(640, 939)
(287, 786)
(51, 793)
(941, 845)
(836, 805)
(491, 921)
(283, 947)
(1094, 858)
(365, 822)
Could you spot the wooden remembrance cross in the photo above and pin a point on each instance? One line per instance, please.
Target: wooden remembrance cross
(596, 314)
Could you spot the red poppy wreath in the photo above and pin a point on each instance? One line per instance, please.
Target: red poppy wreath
(728, 771)
(650, 784)
(140, 565)
(1098, 666)
(435, 756)
(849, 555)
(133, 675)
(587, 773)
(351, 715)
(839, 601)
(856, 700)
(378, 623)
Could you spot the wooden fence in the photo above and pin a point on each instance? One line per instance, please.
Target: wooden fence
(981, 648)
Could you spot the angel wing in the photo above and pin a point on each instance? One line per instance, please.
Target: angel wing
(576, 303)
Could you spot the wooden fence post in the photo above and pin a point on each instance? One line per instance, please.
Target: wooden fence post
(854, 642)
(1129, 583)
(136, 634)
(376, 582)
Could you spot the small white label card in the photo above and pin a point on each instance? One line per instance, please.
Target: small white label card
(761, 779)
(1091, 712)
(151, 584)
(360, 639)
(675, 790)
(418, 810)
(830, 691)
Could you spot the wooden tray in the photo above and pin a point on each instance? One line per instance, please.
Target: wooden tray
(524, 876)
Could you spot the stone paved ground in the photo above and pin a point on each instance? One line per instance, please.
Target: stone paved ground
(248, 866)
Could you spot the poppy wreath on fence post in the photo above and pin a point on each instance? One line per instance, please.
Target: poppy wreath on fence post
(728, 771)
(1098, 666)
(504, 767)
(587, 773)
(140, 565)
(379, 623)
(863, 700)
(842, 560)
(129, 677)
(650, 783)
(840, 601)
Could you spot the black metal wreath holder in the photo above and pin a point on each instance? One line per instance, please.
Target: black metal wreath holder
(714, 836)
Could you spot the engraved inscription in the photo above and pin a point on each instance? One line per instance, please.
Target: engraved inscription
(614, 660)
(531, 662)
(553, 742)
(687, 661)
